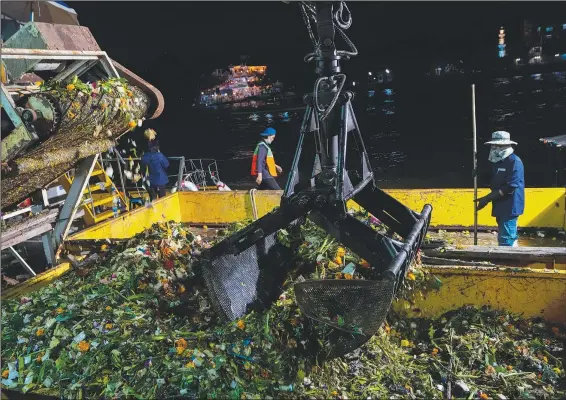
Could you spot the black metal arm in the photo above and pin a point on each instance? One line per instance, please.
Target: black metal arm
(239, 271)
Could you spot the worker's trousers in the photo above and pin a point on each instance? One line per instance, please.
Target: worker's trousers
(156, 191)
(269, 184)
(507, 232)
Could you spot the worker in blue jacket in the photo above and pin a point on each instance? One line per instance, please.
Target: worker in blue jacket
(157, 165)
(507, 188)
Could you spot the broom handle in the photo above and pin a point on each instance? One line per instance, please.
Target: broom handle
(475, 165)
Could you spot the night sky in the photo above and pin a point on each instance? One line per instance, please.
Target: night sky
(170, 44)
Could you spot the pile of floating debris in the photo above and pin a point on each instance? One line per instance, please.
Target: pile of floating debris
(138, 323)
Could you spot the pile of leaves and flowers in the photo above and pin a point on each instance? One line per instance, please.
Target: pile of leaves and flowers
(139, 324)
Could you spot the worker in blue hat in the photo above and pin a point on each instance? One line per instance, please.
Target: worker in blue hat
(507, 188)
(157, 165)
(263, 163)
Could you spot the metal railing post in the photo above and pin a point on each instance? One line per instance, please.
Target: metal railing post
(126, 199)
(181, 172)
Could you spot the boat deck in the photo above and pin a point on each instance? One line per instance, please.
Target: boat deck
(466, 238)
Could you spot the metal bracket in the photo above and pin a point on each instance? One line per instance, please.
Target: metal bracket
(85, 59)
(21, 137)
(21, 260)
(48, 249)
(74, 199)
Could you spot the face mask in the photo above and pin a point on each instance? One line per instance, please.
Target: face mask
(498, 154)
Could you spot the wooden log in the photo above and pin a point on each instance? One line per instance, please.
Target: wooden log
(454, 262)
(433, 244)
(27, 234)
(28, 228)
(519, 254)
(46, 216)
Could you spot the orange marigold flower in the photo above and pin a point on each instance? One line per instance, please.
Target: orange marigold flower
(84, 346)
(181, 343)
(182, 289)
(70, 86)
(509, 367)
(180, 349)
(411, 276)
(241, 324)
(109, 326)
(489, 370)
(132, 124)
(348, 276)
(484, 396)
(39, 357)
(190, 364)
(338, 260)
(5, 374)
(108, 308)
(40, 332)
(59, 310)
(334, 393)
(341, 252)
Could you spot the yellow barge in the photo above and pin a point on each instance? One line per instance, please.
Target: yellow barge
(527, 280)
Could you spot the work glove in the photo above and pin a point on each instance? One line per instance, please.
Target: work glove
(485, 200)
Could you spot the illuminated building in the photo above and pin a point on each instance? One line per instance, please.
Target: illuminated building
(501, 46)
(543, 43)
(381, 92)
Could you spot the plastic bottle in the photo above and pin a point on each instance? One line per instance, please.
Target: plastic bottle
(115, 203)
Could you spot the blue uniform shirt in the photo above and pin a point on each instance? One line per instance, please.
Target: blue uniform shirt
(157, 164)
(509, 177)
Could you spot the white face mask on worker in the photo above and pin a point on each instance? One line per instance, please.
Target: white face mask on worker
(498, 153)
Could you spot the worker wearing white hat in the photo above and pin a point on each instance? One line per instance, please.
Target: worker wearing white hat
(507, 187)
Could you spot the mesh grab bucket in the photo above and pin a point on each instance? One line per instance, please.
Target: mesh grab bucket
(252, 279)
(354, 310)
(356, 307)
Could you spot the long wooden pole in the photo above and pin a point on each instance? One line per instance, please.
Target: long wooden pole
(475, 165)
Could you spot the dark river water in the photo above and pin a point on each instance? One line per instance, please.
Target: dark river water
(418, 135)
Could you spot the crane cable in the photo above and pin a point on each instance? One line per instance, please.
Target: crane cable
(308, 10)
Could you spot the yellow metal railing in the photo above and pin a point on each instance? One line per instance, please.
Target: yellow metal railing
(544, 207)
(452, 208)
(529, 290)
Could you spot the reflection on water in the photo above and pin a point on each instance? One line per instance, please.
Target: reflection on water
(417, 135)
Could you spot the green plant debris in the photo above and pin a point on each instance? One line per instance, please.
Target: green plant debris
(139, 325)
(90, 116)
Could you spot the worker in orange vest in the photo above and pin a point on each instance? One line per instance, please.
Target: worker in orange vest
(263, 164)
